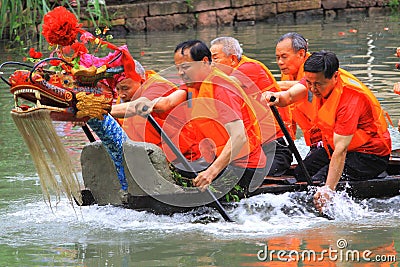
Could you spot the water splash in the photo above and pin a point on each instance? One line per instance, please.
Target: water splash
(260, 216)
(343, 207)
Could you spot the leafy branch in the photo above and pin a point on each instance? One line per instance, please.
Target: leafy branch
(20, 20)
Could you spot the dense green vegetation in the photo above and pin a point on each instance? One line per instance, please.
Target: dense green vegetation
(394, 6)
(21, 19)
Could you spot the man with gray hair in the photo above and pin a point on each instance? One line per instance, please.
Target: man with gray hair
(255, 78)
(291, 53)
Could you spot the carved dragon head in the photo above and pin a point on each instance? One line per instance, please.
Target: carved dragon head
(70, 71)
(39, 88)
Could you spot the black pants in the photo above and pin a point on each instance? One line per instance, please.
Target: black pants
(357, 166)
(279, 157)
(248, 178)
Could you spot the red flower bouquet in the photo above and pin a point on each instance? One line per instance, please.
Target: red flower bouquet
(35, 54)
(60, 27)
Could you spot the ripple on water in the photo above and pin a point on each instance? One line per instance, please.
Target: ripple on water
(259, 216)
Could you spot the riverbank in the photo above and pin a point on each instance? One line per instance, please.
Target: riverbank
(142, 16)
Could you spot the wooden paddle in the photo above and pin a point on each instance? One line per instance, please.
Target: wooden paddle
(289, 139)
(88, 133)
(293, 147)
(185, 162)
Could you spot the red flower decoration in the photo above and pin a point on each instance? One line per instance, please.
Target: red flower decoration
(34, 54)
(66, 50)
(60, 27)
(55, 62)
(79, 49)
(86, 37)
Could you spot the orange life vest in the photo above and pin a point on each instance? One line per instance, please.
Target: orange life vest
(140, 130)
(137, 127)
(302, 110)
(263, 113)
(205, 116)
(326, 114)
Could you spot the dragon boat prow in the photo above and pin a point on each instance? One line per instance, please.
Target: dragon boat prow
(147, 172)
(56, 91)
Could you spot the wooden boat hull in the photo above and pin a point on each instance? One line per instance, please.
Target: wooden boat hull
(160, 202)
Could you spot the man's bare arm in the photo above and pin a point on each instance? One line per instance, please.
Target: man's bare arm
(163, 104)
(285, 98)
(123, 110)
(285, 85)
(160, 104)
(336, 165)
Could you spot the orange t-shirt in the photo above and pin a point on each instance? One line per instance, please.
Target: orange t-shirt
(354, 112)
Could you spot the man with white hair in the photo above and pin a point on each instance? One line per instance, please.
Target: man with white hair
(255, 78)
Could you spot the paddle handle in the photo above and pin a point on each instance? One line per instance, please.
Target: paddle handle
(289, 139)
(88, 133)
(185, 162)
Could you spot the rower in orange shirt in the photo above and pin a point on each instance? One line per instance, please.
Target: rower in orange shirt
(255, 78)
(221, 115)
(354, 131)
(151, 86)
(291, 53)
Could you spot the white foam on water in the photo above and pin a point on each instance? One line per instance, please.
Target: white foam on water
(30, 221)
(266, 215)
(21, 177)
(261, 215)
(344, 208)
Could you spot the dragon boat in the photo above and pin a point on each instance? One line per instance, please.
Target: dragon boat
(159, 194)
(152, 185)
(79, 88)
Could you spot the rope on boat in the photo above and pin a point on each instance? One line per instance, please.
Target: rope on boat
(49, 156)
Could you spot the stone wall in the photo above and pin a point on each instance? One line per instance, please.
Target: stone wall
(136, 16)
